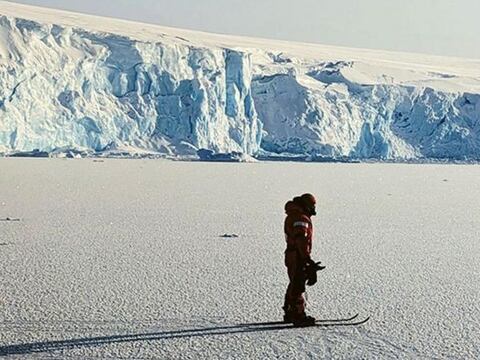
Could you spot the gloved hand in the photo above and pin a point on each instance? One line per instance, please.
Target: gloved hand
(311, 268)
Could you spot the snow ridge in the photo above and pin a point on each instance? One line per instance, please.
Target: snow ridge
(67, 87)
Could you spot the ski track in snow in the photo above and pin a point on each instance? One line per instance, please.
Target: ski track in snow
(123, 259)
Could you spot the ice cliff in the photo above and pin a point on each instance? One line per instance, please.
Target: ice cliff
(70, 81)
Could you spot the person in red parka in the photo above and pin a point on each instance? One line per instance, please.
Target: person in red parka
(299, 234)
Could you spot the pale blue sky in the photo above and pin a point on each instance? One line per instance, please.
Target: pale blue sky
(443, 27)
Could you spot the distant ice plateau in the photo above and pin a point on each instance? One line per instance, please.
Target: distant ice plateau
(81, 85)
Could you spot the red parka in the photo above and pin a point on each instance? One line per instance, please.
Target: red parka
(298, 231)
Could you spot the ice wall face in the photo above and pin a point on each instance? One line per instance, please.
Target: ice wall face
(331, 116)
(69, 88)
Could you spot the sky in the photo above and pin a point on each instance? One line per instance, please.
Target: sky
(441, 27)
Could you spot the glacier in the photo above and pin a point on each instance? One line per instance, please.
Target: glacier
(81, 82)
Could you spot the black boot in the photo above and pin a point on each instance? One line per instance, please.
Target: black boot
(288, 315)
(303, 320)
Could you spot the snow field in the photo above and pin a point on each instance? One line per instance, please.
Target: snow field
(122, 258)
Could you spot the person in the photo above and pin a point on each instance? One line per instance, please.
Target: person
(299, 234)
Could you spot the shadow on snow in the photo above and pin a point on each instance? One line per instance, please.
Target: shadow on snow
(58, 345)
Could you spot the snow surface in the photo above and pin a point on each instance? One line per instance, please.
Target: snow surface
(73, 81)
(122, 262)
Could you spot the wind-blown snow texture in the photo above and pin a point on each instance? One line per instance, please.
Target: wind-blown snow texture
(117, 265)
(76, 81)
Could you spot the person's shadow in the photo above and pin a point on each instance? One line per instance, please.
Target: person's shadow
(47, 346)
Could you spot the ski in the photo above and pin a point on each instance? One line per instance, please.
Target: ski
(337, 320)
(285, 326)
(341, 323)
(320, 321)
